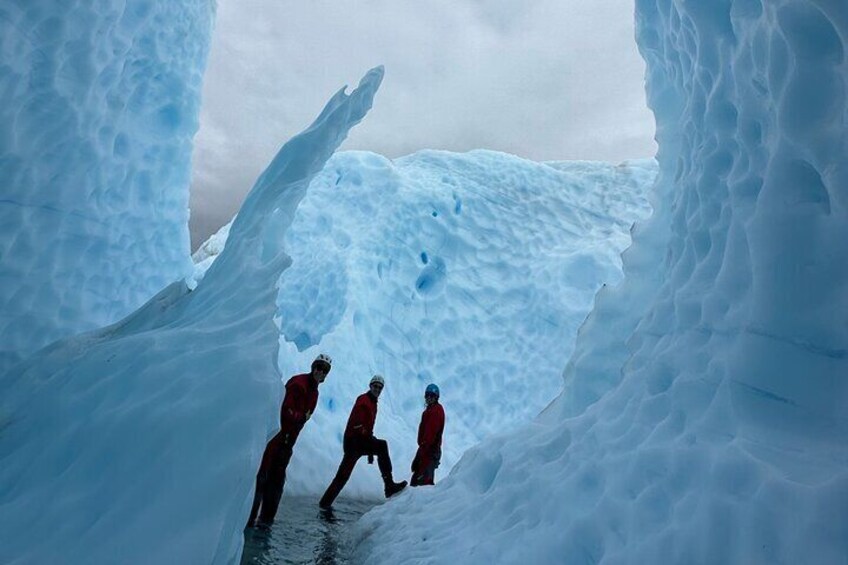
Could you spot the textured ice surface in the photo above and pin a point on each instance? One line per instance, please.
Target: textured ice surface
(139, 442)
(471, 270)
(98, 105)
(704, 417)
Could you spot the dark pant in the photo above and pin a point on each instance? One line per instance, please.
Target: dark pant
(354, 448)
(426, 474)
(271, 478)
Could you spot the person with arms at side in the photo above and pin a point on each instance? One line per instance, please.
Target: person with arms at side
(430, 430)
(359, 440)
(298, 404)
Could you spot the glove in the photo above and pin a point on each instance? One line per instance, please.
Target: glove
(370, 459)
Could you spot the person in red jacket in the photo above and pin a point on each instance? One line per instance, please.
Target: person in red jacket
(359, 440)
(297, 407)
(429, 439)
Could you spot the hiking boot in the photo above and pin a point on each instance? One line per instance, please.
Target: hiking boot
(392, 488)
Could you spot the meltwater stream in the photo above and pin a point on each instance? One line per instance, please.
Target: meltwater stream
(303, 533)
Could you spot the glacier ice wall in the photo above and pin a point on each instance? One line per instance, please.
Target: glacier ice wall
(756, 261)
(704, 413)
(473, 270)
(100, 102)
(139, 442)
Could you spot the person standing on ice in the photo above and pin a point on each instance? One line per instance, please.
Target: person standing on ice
(429, 439)
(297, 407)
(359, 440)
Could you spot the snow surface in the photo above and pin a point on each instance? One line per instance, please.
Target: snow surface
(140, 442)
(99, 105)
(470, 270)
(704, 416)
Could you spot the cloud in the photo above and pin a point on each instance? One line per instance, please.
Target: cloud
(551, 79)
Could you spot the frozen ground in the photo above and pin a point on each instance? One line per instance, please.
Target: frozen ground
(305, 535)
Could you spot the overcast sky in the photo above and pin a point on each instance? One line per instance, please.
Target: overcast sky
(546, 80)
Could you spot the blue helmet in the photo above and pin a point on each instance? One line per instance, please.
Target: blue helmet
(432, 389)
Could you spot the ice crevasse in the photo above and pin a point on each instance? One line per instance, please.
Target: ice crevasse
(704, 415)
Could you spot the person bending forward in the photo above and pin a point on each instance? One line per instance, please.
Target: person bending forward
(297, 407)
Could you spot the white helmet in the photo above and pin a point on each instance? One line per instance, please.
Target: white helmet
(324, 358)
(377, 379)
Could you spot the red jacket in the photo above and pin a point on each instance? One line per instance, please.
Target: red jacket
(362, 417)
(298, 404)
(430, 433)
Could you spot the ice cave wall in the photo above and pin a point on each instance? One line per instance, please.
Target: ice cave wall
(736, 364)
(100, 102)
(703, 417)
(751, 99)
